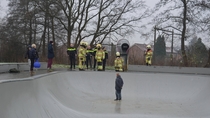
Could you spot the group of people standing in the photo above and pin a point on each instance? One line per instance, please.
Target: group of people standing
(98, 55)
(32, 56)
(86, 55)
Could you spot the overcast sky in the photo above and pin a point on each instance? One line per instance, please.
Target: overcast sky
(133, 39)
(3, 7)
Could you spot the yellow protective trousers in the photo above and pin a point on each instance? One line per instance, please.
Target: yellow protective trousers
(100, 55)
(119, 64)
(100, 66)
(82, 53)
(148, 57)
(81, 63)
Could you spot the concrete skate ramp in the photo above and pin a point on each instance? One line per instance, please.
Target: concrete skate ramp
(91, 95)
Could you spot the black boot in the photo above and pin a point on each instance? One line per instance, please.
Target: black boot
(81, 69)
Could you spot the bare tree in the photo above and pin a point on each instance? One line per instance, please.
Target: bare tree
(204, 16)
(181, 16)
(71, 21)
(116, 18)
(94, 19)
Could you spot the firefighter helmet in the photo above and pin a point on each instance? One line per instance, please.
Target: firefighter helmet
(98, 45)
(82, 43)
(117, 53)
(148, 46)
(86, 43)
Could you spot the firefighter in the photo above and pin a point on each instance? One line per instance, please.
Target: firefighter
(118, 63)
(81, 55)
(72, 52)
(148, 55)
(106, 57)
(99, 57)
(89, 54)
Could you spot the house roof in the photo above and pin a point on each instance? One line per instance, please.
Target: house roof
(143, 47)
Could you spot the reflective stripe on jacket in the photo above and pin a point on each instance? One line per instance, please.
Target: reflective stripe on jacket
(100, 55)
(82, 52)
(149, 54)
(118, 62)
(71, 51)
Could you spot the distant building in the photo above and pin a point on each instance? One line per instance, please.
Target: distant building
(136, 54)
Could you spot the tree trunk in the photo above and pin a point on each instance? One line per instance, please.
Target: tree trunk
(30, 35)
(184, 56)
(48, 30)
(69, 23)
(44, 36)
(25, 29)
(35, 26)
(69, 34)
(53, 35)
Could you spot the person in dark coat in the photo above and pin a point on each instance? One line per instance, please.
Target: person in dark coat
(72, 52)
(94, 60)
(89, 54)
(118, 87)
(50, 55)
(106, 57)
(33, 54)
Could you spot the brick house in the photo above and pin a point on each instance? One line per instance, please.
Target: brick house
(136, 54)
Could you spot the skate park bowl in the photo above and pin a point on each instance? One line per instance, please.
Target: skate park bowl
(91, 95)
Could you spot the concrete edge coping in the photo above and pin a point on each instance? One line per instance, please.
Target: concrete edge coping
(27, 78)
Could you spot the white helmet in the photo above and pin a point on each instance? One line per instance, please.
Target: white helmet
(148, 46)
(82, 43)
(98, 45)
(86, 43)
(117, 53)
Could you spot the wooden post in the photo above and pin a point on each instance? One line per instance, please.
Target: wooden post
(172, 47)
(154, 44)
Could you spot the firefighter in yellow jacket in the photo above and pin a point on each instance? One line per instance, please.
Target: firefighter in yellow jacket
(148, 55)
(81, 55)
(99, 56)
(118, 63)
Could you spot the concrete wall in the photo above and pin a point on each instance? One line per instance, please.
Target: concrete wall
(5, 67)
(169, 69)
